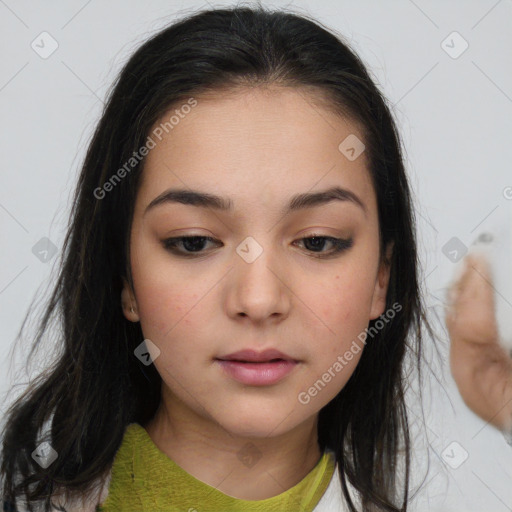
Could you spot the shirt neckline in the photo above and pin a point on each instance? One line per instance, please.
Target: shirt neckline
(142, 473)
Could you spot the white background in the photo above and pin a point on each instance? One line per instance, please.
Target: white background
(454, 115)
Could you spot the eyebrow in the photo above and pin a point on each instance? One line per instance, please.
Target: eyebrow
(297, 202)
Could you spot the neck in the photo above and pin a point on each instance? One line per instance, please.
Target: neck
(249, 468)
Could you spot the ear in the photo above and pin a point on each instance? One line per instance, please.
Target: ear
(129, 303)
(381, 284)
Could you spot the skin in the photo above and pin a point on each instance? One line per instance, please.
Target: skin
(258, 147)
(481, 367)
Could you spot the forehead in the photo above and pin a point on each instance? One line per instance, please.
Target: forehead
(256, 145)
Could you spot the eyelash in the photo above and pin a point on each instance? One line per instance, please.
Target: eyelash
(339, 245)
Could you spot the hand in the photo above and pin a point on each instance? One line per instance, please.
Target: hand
(470, 316)
(480, 366)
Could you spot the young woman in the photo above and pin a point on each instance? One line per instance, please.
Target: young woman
(238, 289)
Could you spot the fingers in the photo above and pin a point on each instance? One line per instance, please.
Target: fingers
(475, 282)
(470, 313)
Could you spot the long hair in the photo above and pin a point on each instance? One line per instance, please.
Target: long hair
(96, 386)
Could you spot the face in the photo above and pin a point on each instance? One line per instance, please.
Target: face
(271, 264)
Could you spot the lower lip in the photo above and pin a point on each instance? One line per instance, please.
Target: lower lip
(257, 374)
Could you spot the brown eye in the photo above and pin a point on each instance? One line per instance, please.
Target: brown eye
(316, 244)
(187, 245)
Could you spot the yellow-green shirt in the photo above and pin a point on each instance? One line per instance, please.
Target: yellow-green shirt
(144, 479)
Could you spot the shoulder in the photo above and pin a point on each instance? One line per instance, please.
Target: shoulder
(62, 503)
(83, 504)
(333, 499)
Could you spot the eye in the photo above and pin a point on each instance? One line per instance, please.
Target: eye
(192, 245)
(316, 244)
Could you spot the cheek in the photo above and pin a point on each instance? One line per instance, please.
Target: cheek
(163, 298)
(164, 307)
(343, 303)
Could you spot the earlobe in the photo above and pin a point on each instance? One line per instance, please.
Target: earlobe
(381, 284)
(128, 303)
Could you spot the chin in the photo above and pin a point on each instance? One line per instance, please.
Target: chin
(258, 421)
(254, 429)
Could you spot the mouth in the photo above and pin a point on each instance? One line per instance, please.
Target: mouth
(257, 368)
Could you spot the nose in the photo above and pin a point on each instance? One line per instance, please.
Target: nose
(258, 289)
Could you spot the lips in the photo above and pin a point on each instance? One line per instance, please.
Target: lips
(257, 368)
(253, 356)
